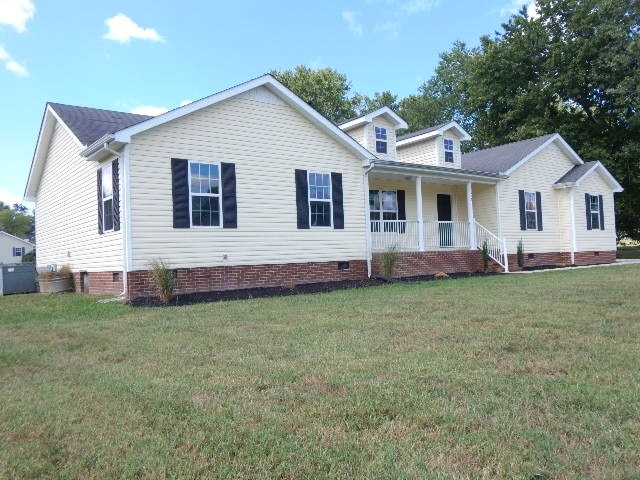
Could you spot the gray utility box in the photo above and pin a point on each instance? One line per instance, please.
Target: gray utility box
(18, 278)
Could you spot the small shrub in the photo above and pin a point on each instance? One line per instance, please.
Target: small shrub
(62, 272)
(485, 256)
(520, 254)
(389, 260)
(29, 257)
(163, 278)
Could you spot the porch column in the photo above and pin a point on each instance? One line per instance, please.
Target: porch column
(419, 214)
(472, 225)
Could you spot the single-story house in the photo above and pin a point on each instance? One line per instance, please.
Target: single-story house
(13, 248)
(252, 187)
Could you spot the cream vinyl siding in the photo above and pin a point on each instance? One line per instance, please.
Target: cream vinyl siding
(7, 243)
(484, 206)
(422, 153)
(67, 212)
(588, 240)
(538, 174)
(357, 134)
(266, 140)
(370, 138)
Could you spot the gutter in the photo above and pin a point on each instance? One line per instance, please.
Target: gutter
(365, 184)
(100, 144)
(125, 224)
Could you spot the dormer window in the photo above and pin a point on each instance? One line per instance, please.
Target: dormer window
(381, 140)
(448, 150)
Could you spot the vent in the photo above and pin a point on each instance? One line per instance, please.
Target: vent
(343, 265)
(596, 254)
(531, 256)
(116, 276)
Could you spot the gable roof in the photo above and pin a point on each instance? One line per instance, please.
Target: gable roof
(397, 121)
(90, 124)
(577, 174)
(430, 132)
(117, 127)
(2, 232)
(507, 158)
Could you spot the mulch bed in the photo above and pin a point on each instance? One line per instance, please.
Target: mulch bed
(262, 292)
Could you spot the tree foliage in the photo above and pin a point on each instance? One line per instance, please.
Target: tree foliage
(16, 220)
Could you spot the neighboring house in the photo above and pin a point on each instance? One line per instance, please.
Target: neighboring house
(252, 187)
(13, 248)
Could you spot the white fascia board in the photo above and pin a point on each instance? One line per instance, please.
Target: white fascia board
(47, 126)
(368, 118)
(462, 133)
(610, 179)
(17, 238)
(564, 146)
(124, 136)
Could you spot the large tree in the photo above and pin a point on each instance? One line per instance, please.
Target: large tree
(16, 220)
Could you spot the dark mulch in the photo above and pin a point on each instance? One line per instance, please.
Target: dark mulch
(261, 292)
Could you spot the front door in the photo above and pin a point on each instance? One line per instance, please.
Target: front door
(445, 230)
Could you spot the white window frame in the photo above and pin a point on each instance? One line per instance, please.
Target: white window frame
(22, 251)
(381, 211)
(104, 199)
(452, 150)
(386, 138)
(596, 211)
(330, 200)
(214, 195)
(535, 210)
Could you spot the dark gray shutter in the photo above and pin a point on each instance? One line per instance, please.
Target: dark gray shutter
(100, 206)
(523, 214)
(600, 203)
(539, 209)
(402, 211)
(302, 198)
(587, 207)
(336, 199)
(229, 202)
(180, 192)
(115, 177)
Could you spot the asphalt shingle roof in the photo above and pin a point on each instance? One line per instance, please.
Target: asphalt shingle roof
(89, 124)
(502, 158)
(576, 173)
(423, 131)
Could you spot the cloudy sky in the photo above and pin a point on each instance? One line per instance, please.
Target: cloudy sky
(147, 56)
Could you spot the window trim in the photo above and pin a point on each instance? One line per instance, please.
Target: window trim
(104, 199)
(385, 141)
(214, 195)
(381, 211)
(596, 211)
(23, 251)
(452, 150)
(535, 210)
(329, 200)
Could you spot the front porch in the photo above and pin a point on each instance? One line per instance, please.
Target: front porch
(414, 208)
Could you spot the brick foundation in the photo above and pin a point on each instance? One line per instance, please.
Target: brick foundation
(411, 264)
(562, 259)
(99, 282)
(233, 277)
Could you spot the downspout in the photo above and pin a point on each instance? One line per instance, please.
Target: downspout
(123, 200)
(365, 183)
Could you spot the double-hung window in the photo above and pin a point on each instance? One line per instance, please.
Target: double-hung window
(107, 197)
(383, 210)
(594, 209)
(18, 251)
(448, 150)
(204, 187)
(531, 210)
(381, 140)
(320, 199)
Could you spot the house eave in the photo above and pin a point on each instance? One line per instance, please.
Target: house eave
(401, 168)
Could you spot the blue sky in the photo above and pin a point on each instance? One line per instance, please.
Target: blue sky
(142, 55)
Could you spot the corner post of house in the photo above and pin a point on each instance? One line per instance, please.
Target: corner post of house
(419, 214)
(472, 222)
(572, 214)
(505, 255)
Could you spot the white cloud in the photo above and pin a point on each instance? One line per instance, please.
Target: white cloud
(355, 27)
(391, 28)
(185, 102)
(16, 13)
(11, 65)
(149, 110)
(122, 29)
(514, 7)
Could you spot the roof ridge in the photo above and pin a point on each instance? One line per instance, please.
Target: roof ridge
(101, 109)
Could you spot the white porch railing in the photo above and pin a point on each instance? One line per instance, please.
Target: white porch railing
(496, 247)
(454, 234)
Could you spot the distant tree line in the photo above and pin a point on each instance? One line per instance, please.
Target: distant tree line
(573, 69)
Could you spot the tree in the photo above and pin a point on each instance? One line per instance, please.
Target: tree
(364, 104)
(16, 220)
(326, 90)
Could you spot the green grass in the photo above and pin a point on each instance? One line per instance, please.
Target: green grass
(628, 252)
(527, 376)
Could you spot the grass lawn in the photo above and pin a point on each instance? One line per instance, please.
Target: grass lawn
(628, 252)
(527, 376)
